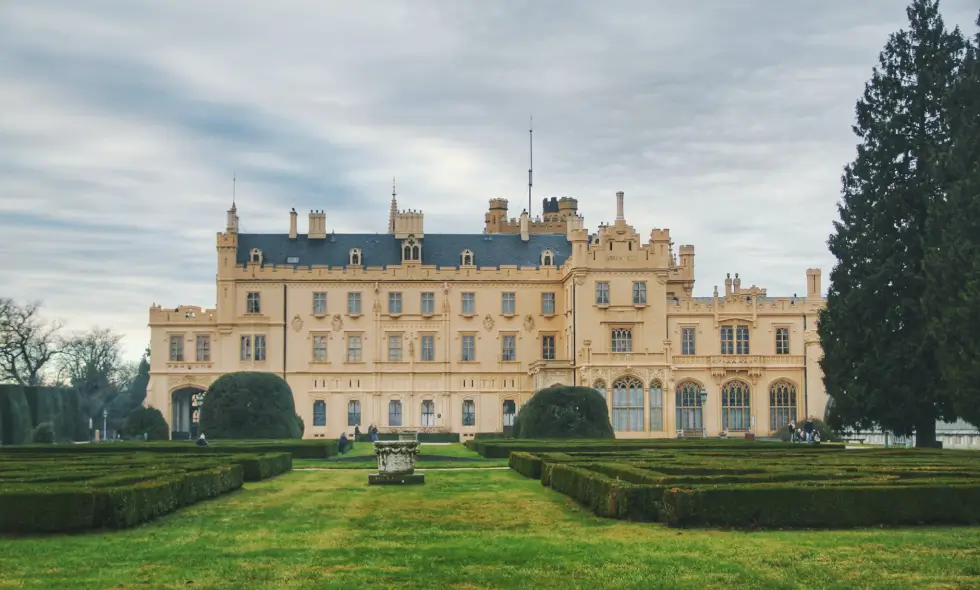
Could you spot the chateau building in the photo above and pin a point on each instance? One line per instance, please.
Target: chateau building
(454, 332)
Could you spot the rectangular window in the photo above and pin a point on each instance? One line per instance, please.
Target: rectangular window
(260, 347)
(176, 349)
(782, 340)
(727, 340)
(253, 303)
(548, 303)
(656, 407)
(395, 348)
(320, 349)
(354, 348)
(246, 348)
(394, 302)
(741, 340)
(602, 293)
(622, 340)
(508, 303)
(319, 303)
(627, 406)
(508, 352)
(469, 303)
(428, 348)
(203, 348)
(548, 347)
(319, 413)
(639, 292)
(428, 303)
(469, 413)
(354, 303)
(428, 413)
(687, 341)
(468, 347)
(394, 413)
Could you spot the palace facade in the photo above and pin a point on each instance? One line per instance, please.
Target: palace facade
(454, 332)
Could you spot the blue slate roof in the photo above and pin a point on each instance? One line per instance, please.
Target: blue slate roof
(384, 250)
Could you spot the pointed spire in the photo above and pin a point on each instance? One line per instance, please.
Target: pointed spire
(234, 181)
(394, 208)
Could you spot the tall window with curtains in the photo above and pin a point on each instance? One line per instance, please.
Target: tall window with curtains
(627, 405)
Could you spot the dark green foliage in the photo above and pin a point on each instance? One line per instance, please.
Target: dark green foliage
(148, 423)
(43, 433)
(132, 396)
(564, 412)
(763, 485)
(15, 413)
(300, 449)
(954, 265)
(70, 492)
(879, 358)
(246, 405)
(23, 408)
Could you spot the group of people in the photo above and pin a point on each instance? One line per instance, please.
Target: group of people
(808, 433)
(347, 444)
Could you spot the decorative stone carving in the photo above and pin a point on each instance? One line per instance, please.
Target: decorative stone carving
(337, 323)
(580, 280)
(396, 462)
(488, 322)
(445, 287)
(297, 323)
(528, 323)
(377, 288)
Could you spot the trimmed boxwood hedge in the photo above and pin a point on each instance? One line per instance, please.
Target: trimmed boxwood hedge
(763, 486)
(299, 449)
(46, 493)
(22, 409)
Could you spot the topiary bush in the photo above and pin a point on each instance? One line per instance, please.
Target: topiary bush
(564, 412)
(43, 433)
(249, 404)
(146, 421)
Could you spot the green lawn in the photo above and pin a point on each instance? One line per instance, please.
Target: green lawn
(467, 529)
(461, 457)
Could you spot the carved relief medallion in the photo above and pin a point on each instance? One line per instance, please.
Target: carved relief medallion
(297, 323)
(337, 323)
(528, 322)
(488, 322)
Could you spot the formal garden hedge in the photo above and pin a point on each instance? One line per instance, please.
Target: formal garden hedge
(60, 492)
(429, 437)
(298, 448)
(760, 485)
(24, 409)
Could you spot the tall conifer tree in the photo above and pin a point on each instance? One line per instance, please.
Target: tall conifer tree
(953, 266)
(880, 366)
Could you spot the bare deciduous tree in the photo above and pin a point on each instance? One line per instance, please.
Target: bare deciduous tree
(27, 342)
(91, 363)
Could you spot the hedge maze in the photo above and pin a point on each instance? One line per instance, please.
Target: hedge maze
(734, 484)
(69, 488)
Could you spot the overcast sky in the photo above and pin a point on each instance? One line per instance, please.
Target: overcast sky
(124, 121)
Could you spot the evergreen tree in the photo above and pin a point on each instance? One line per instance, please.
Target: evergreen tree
(954, 265)
(880, 366)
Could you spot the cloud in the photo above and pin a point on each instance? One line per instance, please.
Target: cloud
(124, 122)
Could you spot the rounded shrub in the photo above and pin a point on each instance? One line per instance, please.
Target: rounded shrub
(249, 404)
(564, 412)
(43, 433)
(146, 422)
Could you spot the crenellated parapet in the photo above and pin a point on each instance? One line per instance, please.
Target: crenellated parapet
(183, 315)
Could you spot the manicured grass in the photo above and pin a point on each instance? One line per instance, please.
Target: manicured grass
(457, 456)
(468, 529)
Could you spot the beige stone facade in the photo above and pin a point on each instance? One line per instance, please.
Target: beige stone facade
(454, 332)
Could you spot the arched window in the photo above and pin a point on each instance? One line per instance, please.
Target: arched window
(736, 413)
(622, 340)
(688, 403)
(469, 413)
(627, 405)
(510, 410)
(656, 406)
(428, 413)
(547, 258)
(407, 252)
(355, 257)
(782, 404)
(467, 257)
(600, 386)
(416, 252)
(319, 413)
(255, 256)
(395, 413)
(353, 413)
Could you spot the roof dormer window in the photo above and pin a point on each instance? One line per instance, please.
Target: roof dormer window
(412, 250)
(467, 257)
(547, 258)
(355, 257)
(255, 256)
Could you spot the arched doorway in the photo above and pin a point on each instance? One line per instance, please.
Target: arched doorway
(185, 412)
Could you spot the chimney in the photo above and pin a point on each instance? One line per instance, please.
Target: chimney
(318, 226)
(728, 284)
(738, 285)
(813, 288)
(525, 226)
(619, 207)
(292, 224)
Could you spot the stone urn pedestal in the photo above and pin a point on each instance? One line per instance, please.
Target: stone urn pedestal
(396, 463)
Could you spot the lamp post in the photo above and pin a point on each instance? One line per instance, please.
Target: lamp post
(105, 416)
(704, 399)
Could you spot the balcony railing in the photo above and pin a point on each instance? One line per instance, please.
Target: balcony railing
(736, 360)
